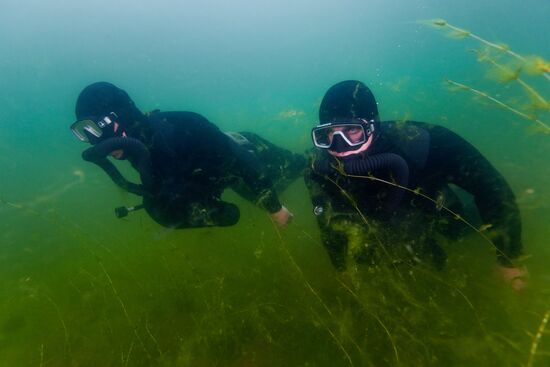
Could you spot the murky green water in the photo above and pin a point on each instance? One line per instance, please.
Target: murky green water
(79, 287)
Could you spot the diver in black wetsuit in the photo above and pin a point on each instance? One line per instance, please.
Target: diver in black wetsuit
(355, 214)
(184, 161)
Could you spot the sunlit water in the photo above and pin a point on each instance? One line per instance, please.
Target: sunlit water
(79, 287)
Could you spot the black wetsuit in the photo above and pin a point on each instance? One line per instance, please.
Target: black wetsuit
(436, 159)
(193, 162)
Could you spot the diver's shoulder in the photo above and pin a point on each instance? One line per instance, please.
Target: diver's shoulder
(408, 128)
(187, 122)
(407, 124)
(177, 116)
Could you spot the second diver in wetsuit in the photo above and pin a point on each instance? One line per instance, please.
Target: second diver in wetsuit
(184, 161)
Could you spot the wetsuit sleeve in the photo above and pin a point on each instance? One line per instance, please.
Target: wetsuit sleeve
(464, 166)
(253, 181)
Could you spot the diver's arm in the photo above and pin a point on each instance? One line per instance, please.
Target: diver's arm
(466, 167)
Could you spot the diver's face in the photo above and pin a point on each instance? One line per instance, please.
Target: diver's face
(353, 133)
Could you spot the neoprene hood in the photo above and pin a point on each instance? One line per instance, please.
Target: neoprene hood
(348, 100)
(99, 99)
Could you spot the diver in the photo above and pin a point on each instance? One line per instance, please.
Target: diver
(184, 161)
(360, 172)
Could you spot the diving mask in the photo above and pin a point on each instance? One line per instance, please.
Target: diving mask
(91, 130)
(354, 133)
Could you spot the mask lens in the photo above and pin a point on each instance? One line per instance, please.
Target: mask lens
(354, 133)
(322, 136)
(83, 128)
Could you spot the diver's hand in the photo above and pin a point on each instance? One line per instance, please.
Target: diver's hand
(516, 277)
(282, 217)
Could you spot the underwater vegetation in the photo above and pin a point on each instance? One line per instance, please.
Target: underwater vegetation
(256, 296)
(536, 338)
(507, 66)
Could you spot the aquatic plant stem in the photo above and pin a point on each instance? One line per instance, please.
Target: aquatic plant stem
(129, 353)
(115, 292)
(336, 340)
(536, 338)
(153, 338)
(386, 330)
(531, 92)
(502, 48)
(66, 333)
(500, 103)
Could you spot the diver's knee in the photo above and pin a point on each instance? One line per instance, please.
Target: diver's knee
(226, 214)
